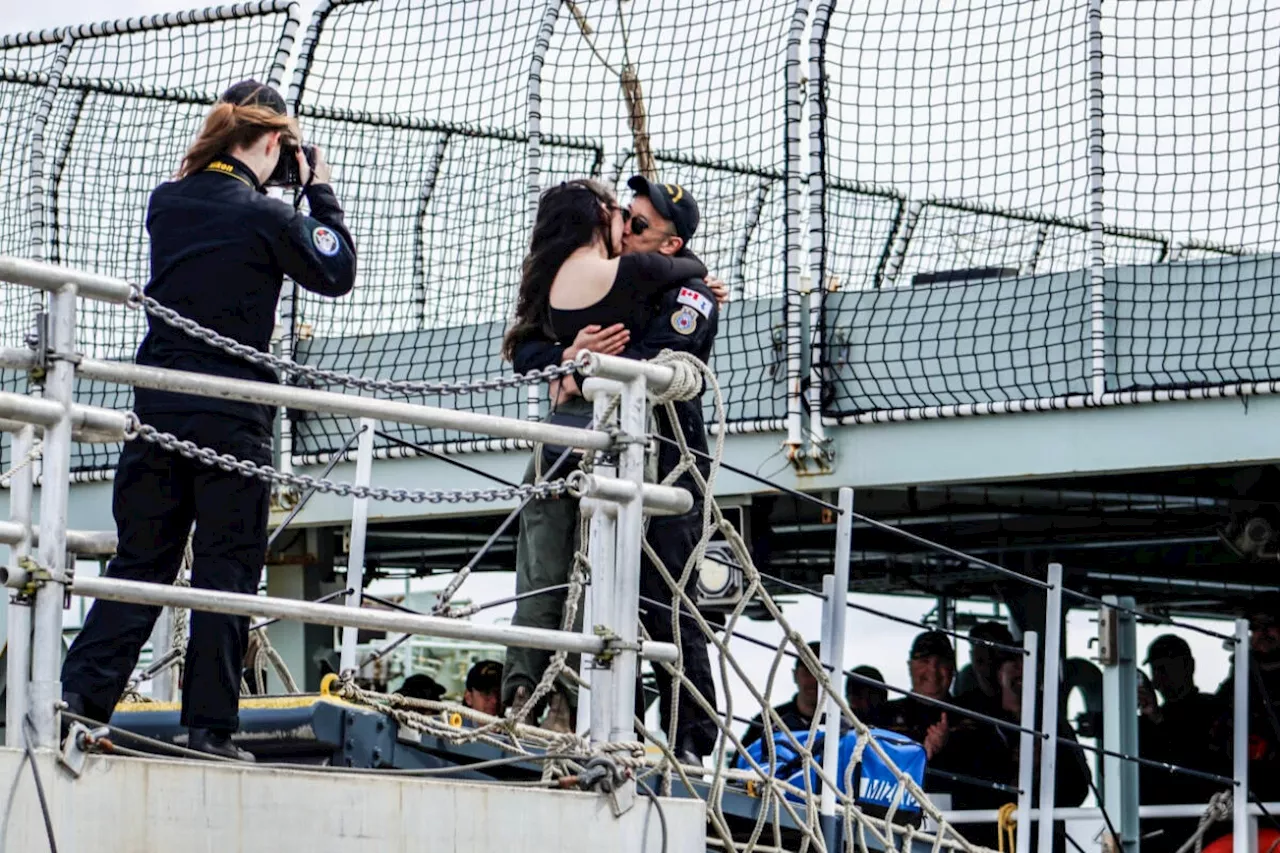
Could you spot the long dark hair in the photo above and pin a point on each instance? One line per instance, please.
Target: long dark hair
(572, 215)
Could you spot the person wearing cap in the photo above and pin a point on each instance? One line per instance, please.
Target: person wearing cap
(977, 686)
(798, 712)
(483, 691)
(220, 248)
(866, 699)
(932, 664)
(654, 297)
(1175, 731)
(422, 686)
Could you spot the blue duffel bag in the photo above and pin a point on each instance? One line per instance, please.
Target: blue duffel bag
(874, 784)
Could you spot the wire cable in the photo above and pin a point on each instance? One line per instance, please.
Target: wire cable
(662, 815)
(30, 731)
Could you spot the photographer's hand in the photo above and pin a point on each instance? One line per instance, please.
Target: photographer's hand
(323, 173)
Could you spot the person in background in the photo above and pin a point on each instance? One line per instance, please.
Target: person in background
(866, 700)
(483, 691)
(796, 714)
(990, 755)
(933, 667)
(1173, 731)
(977, 685)
(422, 687)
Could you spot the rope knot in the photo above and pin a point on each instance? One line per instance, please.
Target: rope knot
(687, 382)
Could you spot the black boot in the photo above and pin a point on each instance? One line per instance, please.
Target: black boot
(217, 743)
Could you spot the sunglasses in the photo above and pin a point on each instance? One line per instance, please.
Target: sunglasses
(639, 224)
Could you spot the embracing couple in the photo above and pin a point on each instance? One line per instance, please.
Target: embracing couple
(619, 281)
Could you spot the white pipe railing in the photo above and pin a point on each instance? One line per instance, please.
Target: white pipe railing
(614, 643)
(329, 402)
(1087, 813)
(339, 615)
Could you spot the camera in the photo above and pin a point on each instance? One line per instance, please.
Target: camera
(286, 173)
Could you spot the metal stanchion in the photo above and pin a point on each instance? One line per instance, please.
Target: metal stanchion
(1026, 740)
(623, 621)
(595, 705)
(46, 650)
(1049, 708)
(18, 656)
(1245, 839)
(833, 656)
(355, 552)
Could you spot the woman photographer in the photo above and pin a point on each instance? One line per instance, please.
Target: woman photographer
(220, 248)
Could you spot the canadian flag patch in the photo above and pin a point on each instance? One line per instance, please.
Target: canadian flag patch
(695, 300)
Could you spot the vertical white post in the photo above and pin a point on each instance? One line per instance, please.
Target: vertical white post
(163, 683)
(359, 531)
(1244, 839)
(833, 650)
(1120, 724)
(595, 704)
(632, 418)
(46, 650)
(1097, 236)
(1026, 740)
(1049, 710)
(18, 656)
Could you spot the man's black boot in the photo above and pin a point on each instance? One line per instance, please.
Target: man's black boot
(217, 743)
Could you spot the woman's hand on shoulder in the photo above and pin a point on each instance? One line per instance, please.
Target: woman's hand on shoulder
(718, 289)
(607, 341)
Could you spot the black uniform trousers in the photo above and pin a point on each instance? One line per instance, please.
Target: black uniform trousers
(157, 495)
(673, 539)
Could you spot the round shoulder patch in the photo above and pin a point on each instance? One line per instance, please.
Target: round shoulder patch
(325, 241)
(684, 321)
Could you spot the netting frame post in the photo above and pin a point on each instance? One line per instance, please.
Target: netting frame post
(595, 705)
(533, 107)
(796, 311)
(36, 202)
(819, 21)
(1244, 836)
(1097, 207)
(1120, 729)
(833, 642)
(55, 490)
(18, 627)
(1049, 705)
(632, 422)
(355, 552)
(1026, 740)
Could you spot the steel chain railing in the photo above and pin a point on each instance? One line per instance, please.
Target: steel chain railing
(332, 377)
(208, 456)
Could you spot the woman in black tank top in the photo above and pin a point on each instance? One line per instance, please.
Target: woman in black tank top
(571, 216)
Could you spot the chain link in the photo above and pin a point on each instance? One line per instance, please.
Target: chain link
(138, 299)
(246, 468)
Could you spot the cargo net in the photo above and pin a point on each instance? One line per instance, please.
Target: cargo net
(971, 201)
(130, 99)
(424, 109)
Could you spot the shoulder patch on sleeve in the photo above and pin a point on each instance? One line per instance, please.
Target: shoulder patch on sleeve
(326, 241)
(694, 299)
(684, 321)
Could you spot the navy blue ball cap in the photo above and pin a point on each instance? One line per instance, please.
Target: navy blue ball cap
(252, 93)
(673, 202)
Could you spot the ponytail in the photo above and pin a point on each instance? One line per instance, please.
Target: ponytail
(233, 126)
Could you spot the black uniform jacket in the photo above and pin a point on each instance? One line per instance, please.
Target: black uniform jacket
(684, 319)
(219, 251)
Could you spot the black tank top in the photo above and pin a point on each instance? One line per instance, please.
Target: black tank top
(639, 279)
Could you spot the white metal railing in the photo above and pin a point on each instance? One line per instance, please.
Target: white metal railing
(34, 689)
